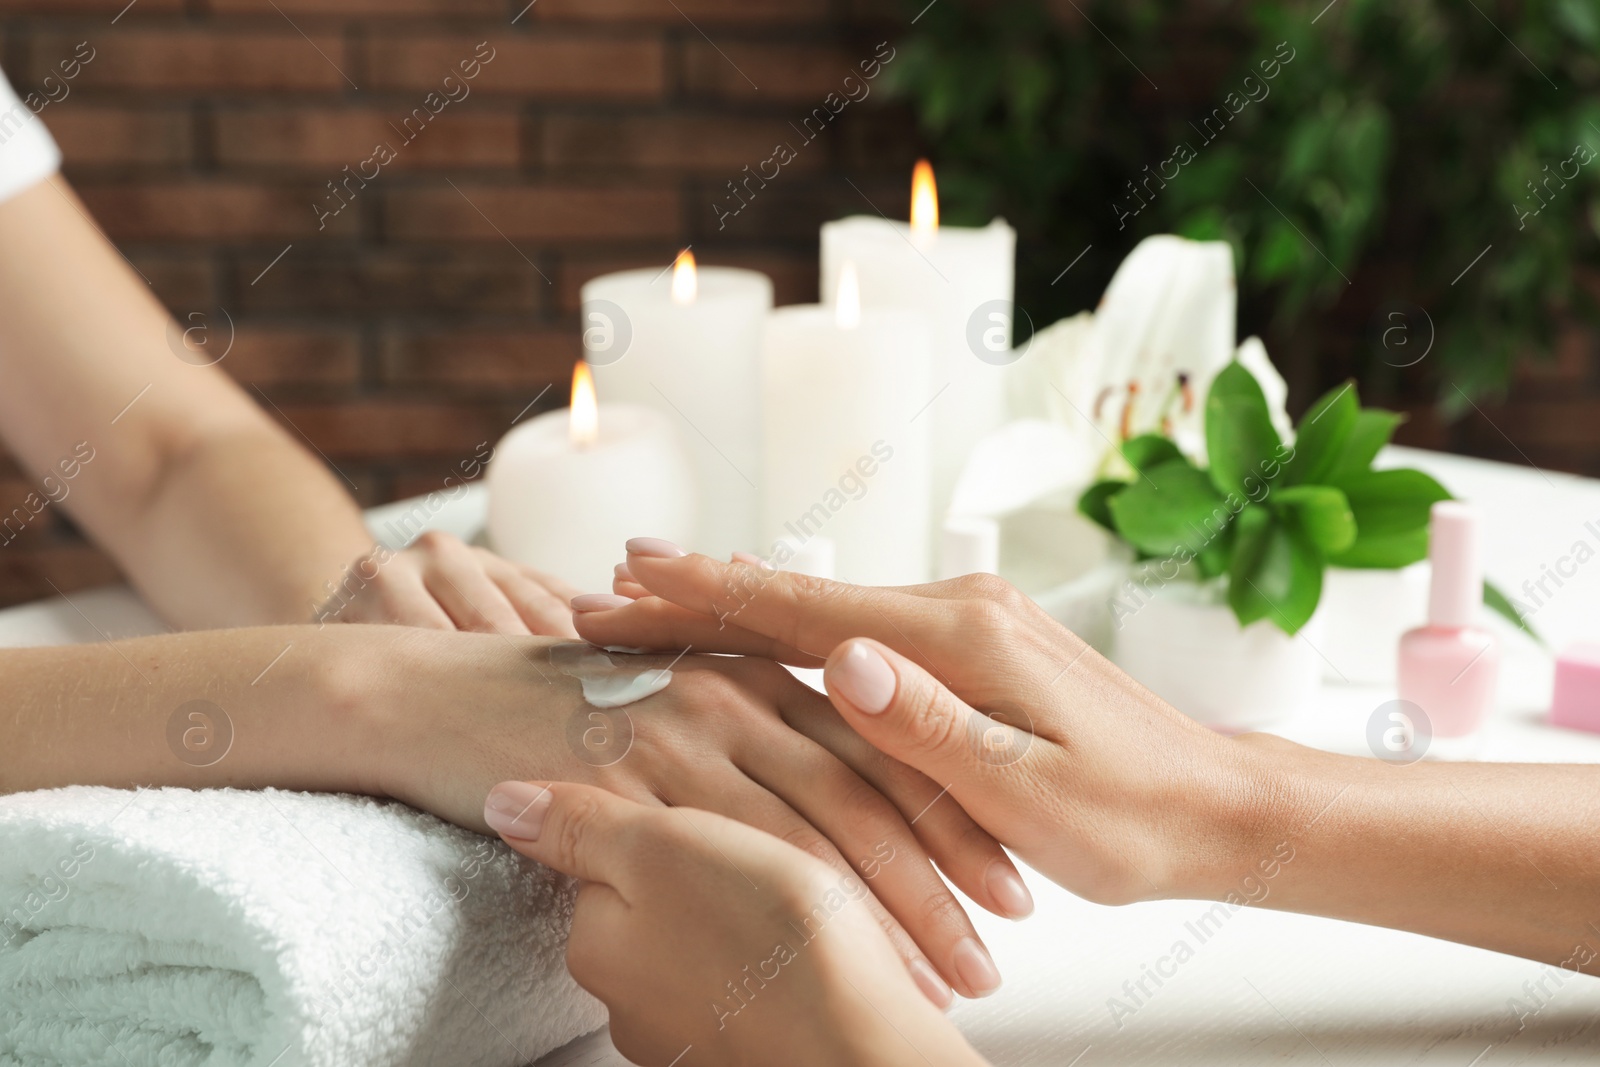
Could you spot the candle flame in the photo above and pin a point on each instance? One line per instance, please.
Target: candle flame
(924, 202)
(685, 278)
(583, 425)
(847, 302)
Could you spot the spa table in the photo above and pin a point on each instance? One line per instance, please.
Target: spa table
(1254, 986)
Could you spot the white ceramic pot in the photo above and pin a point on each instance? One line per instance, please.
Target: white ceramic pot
(1185, 645)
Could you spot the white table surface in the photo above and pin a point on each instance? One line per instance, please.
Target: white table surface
(1265, 987)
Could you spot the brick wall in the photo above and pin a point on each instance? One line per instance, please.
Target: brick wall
(421, 318)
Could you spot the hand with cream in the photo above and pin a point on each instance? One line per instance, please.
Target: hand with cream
(767, 948)
(1104, 788)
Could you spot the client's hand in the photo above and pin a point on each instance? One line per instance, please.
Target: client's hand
(700, 933)
(1086, 775)
(442, 583)
(457, 713)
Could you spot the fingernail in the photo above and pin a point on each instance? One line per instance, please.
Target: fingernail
(864, 679)
(623, 573)
(654, 547)
(1008, 890)
(598, 602)
(517, 809)
(933, 987)
(750, 559)
(976, 968)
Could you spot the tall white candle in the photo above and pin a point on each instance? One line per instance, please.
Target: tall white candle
(963, 279)
(685, 342)
(847, 442)
(568, 488)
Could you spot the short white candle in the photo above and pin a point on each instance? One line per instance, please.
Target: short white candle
(568, 488)
(963, 279)
(847, 453)
(685, 342)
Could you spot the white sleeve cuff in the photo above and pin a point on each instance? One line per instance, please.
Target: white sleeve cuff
(28, 154)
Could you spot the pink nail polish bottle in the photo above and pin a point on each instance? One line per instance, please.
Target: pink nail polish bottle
(1450, 667)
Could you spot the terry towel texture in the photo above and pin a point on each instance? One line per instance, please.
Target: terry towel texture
(176, 928)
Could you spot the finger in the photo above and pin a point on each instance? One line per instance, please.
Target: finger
(617, 621)
(735, 796)
(623, 583)
(403, 600)
(537, 607)
(458, 581)
(907, 714)
(578, 830)
(802, 612)
(965, 851)
(881, 849)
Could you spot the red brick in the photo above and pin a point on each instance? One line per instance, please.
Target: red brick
(533, 213)
(208, 211)
(794, 277)
(504, 359)
(273, 356)
(620, 67)
(380, 8)
(90, 135)
(391, 429)
(215, 59)
(787, 72)
(91, 7)
(326, 139)
(706, 144)
(443, 282)
(681, 12)
(184, 283)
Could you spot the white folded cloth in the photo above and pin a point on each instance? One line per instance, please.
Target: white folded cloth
(225, 927)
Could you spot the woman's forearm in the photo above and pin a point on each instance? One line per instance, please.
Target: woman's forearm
(216, 514)
(1502, 856)
(281, 706)
(244, 528)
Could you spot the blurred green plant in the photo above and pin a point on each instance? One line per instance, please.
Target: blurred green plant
(1400, 138)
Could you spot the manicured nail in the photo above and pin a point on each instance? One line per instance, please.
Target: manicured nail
(598, 602)
(933, 987)
(750, 559)
(517, 809)
(976, 968)
(654, 547)
(623, 573)
(1008, 890)
(863, 678)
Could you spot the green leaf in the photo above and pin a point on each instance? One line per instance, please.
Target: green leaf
(1240, 439)
(1276, 573)
(1501, 605)
(1148, 451)
(1372, 430)
(1092, 503)
(1391, 510)
(1320, 438)
(1170, 507)
(1321, 512)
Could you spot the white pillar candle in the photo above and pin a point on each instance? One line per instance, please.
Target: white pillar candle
(847, 442)
(963, 279)
(685, 342)
(568, 488)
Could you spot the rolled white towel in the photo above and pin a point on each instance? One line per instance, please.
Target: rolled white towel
(225, 927)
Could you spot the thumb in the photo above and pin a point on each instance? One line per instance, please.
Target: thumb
(906, 713)
(576, 829)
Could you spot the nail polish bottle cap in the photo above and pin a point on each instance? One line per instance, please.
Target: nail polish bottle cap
(1455, 548)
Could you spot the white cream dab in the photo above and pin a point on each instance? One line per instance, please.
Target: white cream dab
(605, 684)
